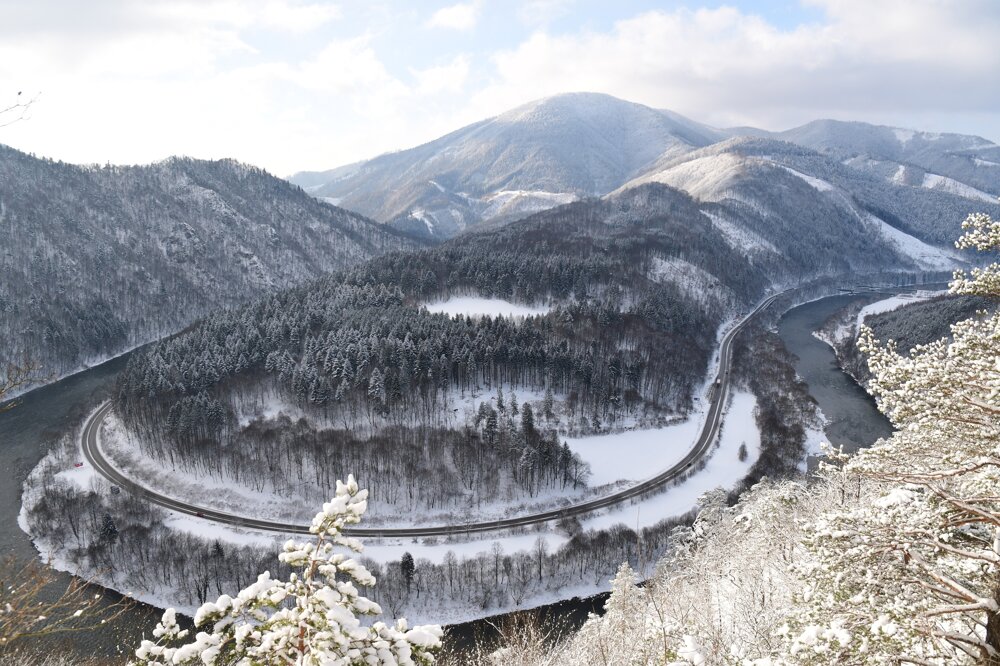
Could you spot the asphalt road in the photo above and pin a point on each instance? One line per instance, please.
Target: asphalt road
(710, 431)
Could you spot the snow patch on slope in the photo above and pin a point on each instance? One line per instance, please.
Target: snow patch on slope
(892, 303)
(926, 255)
(421, 214)
(691, 279)
(816, 183)
(705, 178)
(738, 237)
(477, 306)
(933, 181)
(904, 136)
(523, 202)
(985, 163)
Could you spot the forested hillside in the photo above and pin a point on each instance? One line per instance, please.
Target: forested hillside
(98, 259)
(888, 556)
(761, 174)
(577, 145)
(531, 158)
(956, 163)
(908, 325)
(636, 285)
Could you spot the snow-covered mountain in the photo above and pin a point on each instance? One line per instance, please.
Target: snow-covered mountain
(532, 158)
(776, 185)
(572, 146)
(96, 260)
(968, 166)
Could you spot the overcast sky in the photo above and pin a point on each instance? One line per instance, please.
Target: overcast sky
(293, 85)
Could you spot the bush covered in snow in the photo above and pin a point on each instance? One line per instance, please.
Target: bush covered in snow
(309, 619)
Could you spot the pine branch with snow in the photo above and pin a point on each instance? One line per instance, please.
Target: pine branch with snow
(913, 575)
(310, 619)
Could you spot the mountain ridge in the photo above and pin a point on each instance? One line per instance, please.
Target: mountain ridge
(100, 259)
(428, 192)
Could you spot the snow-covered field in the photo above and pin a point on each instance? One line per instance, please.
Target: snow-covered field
(892, 303)
(477, 306)
(724, 469)
(632, 455)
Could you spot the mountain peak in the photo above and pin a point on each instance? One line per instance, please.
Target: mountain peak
(548, 151)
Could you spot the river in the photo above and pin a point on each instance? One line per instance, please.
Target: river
(27, 431)
(853, 420)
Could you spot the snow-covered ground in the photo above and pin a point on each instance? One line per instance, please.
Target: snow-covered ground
(933, 181)
(889, 304)
(692, 280)
(724, 469)
(632, 454)
(477, 306)
(739, 237)
(815, 183)
(904, 136)
(847, 327)
(926, 255)
(523, 202)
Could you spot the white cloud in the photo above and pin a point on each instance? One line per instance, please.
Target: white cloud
(462, 16)
(297, 18)
(125, 81)
(543, 12)
(723, 66)
(450, 77)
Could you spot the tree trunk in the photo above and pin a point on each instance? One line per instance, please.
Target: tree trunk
(993, 626)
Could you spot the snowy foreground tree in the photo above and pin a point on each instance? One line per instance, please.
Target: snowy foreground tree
(914, 576)
(890, 556)
(310, 619)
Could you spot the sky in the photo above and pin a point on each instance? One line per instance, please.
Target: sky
(295, 85)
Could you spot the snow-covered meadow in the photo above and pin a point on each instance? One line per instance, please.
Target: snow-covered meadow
(478, 306)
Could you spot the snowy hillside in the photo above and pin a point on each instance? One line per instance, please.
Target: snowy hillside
(98, 260)
(757, 176)
(531, 158)
(970, 163)
(572, 146)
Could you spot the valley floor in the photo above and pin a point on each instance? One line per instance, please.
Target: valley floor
(724, 469)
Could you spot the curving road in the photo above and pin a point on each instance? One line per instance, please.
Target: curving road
(710, 431)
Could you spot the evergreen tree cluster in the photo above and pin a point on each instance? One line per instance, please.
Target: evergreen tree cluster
(358, 350)
(95, 260)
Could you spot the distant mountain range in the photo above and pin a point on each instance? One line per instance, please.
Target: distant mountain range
(95, 260)
(568, 147)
